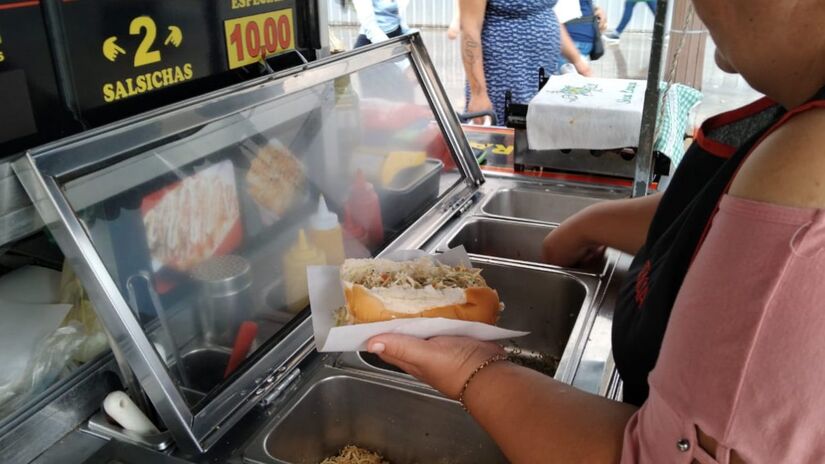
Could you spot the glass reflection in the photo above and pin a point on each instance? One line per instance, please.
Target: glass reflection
(209, 234)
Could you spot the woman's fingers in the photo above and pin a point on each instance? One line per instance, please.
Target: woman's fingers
(401, 347)
(404, 366)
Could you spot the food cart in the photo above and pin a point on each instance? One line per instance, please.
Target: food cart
(190, 266)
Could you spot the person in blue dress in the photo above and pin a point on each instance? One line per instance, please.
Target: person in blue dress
(503, 44)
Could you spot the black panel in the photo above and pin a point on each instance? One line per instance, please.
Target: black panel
(69, 65)
(31, 111)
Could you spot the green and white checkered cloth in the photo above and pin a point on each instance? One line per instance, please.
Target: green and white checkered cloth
(674, 119)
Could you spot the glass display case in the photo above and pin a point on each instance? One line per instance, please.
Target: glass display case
(192, 226)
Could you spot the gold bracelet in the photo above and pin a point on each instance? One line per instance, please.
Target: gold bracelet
(496, 358)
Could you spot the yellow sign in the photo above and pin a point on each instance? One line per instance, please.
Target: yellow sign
(236, 4)
(147, 53)
(252, 38)
(498, 149)
(143, 83)
(2, 56)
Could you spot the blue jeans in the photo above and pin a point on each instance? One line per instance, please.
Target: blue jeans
(584, 48)
(628, 13)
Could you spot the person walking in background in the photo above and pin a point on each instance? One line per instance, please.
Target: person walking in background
(582, 25)
(583, 30)
(629, 6)
(380, 20)
(503, 44)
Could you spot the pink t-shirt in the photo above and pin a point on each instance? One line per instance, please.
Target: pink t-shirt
(743, 358)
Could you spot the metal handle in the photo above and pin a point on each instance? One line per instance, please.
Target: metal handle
(271, 71)
(465, 117)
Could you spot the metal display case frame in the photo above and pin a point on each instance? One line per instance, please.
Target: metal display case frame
(45, 171)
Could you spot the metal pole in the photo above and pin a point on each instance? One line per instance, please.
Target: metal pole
(644, 154)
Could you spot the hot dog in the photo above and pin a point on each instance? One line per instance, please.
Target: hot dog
(380, 290)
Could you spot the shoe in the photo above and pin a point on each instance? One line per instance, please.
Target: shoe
(611, 37)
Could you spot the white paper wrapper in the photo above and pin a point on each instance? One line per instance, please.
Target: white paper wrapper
(326, 295)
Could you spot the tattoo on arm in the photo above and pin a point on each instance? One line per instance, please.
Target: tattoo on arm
(471, 47)
(471, 55)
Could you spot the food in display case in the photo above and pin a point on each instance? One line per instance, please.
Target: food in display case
(398, 161)
(193, 219)
(276, 180)
(381, 289)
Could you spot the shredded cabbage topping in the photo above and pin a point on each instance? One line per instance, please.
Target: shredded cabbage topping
(342, 317)
(355, 455)
(421, 273)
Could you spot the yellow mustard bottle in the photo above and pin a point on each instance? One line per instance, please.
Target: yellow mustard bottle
(325, 233)
(295, 263)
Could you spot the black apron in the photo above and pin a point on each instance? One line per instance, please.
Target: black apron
(678, 228)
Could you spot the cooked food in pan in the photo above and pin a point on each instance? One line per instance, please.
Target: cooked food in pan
(355, 455)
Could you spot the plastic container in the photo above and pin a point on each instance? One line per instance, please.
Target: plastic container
(410, 191)
(364, 209)
(325, 233)
(295, 263)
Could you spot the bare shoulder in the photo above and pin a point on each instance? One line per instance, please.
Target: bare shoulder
(788, 168)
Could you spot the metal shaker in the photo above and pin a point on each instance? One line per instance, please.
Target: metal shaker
(225, 297)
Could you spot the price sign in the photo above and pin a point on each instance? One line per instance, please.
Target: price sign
(252, 38)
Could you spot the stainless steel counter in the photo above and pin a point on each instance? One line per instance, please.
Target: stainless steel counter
(350, 397)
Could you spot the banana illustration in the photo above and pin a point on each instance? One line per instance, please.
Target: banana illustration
(111, 50)
(175, 36)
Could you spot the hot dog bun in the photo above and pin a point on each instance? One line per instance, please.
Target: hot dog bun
(381, 290)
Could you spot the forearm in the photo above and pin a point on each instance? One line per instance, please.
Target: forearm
(472, 53)
(619, 224)
(534, 418)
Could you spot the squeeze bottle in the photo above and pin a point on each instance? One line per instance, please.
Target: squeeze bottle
(364, 209)
(295, 262)
(326, 234)
(354, 238)
(125, 412)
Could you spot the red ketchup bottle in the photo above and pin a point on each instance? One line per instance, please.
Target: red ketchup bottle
(363, 209)
(354, 239)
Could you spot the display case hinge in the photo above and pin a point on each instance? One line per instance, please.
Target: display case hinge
(280, 387)
(460, 205)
